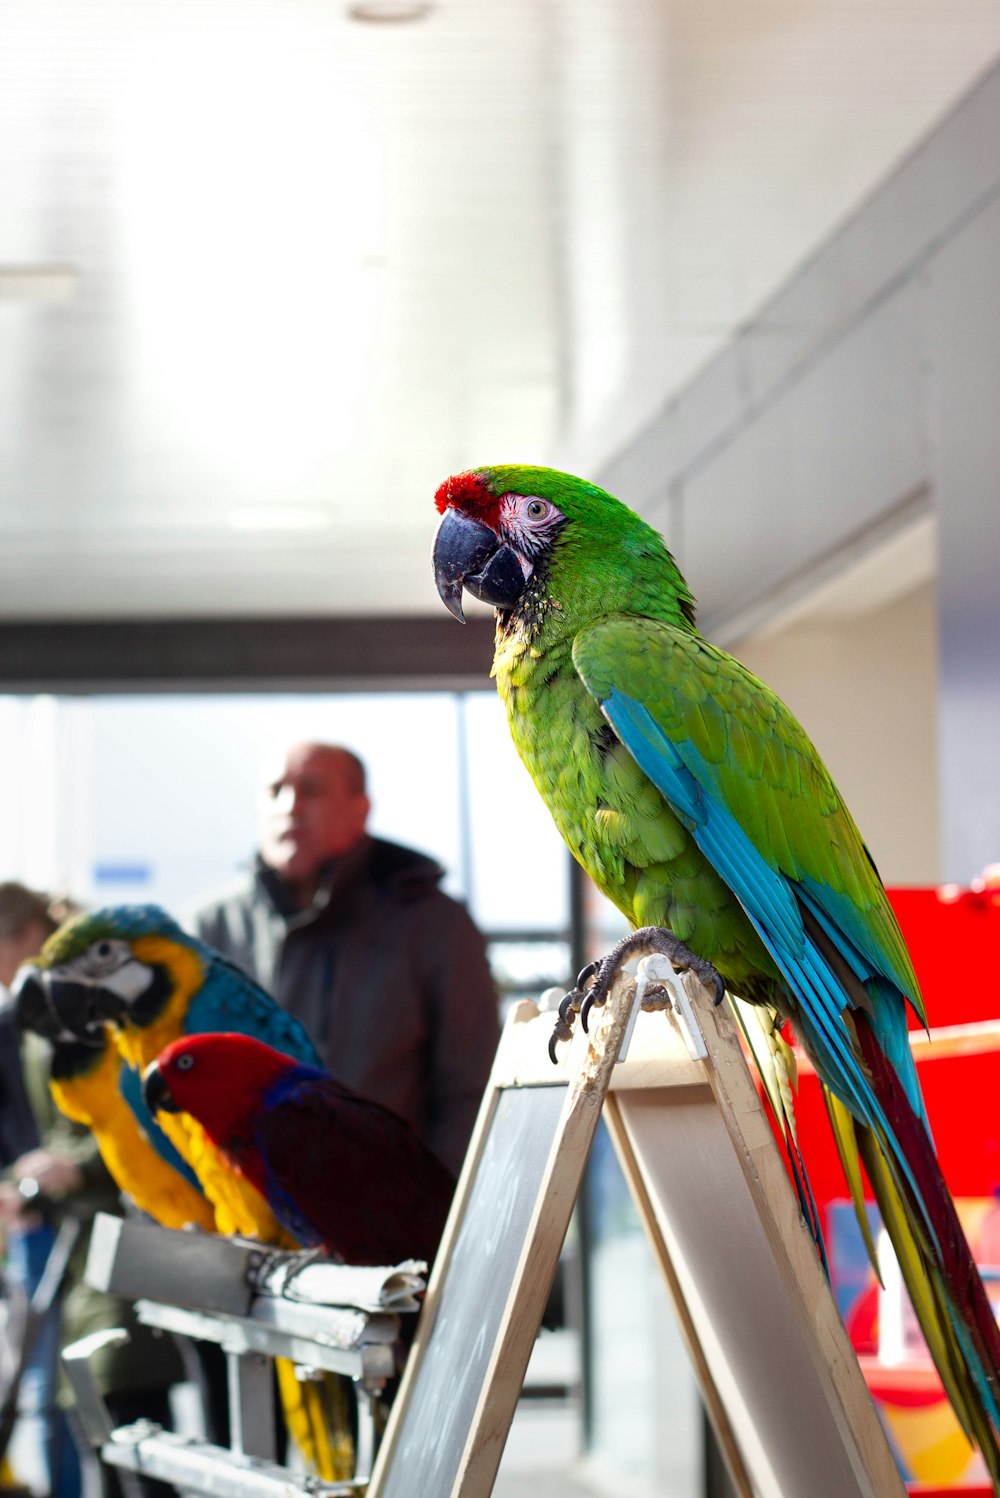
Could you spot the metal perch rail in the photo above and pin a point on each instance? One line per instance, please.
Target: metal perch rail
(257, 1304)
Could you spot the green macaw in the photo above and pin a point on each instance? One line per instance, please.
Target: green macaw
(697, 803)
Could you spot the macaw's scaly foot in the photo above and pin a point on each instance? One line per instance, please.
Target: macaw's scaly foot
(594, 981)
(647, 939)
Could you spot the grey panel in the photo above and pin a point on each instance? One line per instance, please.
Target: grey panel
(925, 201)
(717, 402)
(844, 445)
(932, 195)
(964, 330)
(712, 409)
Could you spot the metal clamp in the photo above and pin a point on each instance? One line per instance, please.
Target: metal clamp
(658, 971)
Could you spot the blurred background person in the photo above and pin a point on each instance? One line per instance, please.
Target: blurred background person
(25, 922)
(57, 1170)
(353, 935)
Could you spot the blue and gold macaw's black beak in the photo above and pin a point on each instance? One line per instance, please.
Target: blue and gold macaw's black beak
(60, 1008)
(469, 555)
(155, 1092)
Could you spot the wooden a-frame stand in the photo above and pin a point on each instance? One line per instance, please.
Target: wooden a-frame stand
(778, 1375)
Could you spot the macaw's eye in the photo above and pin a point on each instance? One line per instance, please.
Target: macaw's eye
(535, 509)
(104, 956)
(185, 1062)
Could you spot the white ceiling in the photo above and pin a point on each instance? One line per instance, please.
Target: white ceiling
(269, 273)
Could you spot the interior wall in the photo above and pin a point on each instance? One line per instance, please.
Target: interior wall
(865, 689)
(864, 390)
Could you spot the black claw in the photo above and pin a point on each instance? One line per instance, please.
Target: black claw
(569, 1006)
(707, 973)
(585, 974)
(585, 1009)
(561, 1030)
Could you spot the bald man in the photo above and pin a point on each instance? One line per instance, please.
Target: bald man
(353, 935)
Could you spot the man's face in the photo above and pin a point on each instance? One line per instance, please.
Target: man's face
(310, 813)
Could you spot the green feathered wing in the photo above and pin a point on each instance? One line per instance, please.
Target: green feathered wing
(740, 776)
(750, 757)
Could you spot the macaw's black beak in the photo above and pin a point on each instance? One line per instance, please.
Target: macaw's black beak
(105, 1004)
(30, 1003)
(57, 1008)
(469, 555)
(155, 1092)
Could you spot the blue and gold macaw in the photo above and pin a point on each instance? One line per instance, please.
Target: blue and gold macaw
(132, 968)
(130, 971)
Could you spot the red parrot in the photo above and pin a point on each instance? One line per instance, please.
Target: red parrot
(338, 1171)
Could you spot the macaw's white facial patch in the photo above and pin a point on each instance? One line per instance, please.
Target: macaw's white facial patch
(528, 524)
(117, 971)
(130, 981)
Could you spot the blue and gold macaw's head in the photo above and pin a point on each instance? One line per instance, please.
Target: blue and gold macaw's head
(119, 965)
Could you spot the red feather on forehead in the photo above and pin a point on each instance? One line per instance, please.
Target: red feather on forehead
(470, 493)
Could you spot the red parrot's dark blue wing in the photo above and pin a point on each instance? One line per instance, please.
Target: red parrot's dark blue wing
(346, 1174)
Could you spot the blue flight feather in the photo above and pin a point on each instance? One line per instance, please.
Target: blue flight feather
(768, 899)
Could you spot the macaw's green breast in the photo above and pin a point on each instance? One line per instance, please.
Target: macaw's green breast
(617, 824)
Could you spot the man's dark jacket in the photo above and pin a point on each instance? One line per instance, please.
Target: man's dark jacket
(388, 975)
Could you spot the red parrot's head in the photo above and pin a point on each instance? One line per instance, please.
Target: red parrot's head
(220, 1079)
